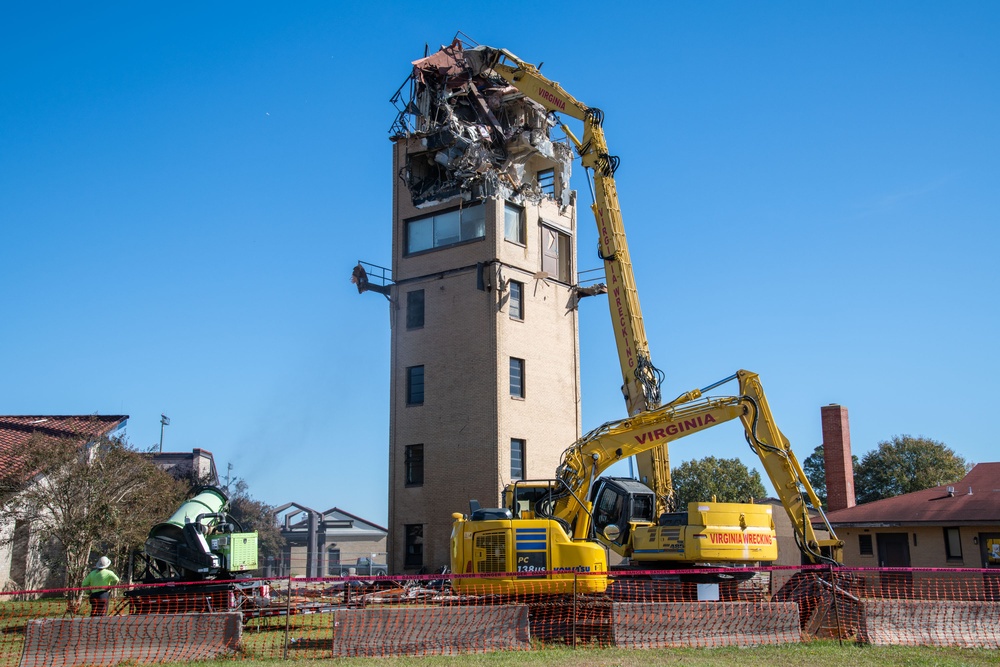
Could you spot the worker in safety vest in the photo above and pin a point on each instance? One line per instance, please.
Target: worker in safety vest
(101, 576)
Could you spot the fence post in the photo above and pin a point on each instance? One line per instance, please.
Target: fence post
(574, 608)
(836, 606)
(288, 612)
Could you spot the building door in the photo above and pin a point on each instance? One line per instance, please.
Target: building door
(989, 552)
(894, 551)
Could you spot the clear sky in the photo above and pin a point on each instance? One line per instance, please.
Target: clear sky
(811, 191)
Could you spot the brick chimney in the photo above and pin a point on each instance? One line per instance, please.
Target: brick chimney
(837, 457)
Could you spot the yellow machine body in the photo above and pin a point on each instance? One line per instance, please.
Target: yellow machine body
(512, 556)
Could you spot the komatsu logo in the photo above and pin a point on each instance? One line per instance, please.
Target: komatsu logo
(739, 538)
(673, 429)
(552, 99)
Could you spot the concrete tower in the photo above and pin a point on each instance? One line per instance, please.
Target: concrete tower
(485, 380)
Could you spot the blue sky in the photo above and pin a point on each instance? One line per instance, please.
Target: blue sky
(811, 191)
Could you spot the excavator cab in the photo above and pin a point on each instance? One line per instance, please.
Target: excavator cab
(621, 502)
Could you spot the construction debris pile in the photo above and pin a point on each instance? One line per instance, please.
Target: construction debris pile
(470, 134)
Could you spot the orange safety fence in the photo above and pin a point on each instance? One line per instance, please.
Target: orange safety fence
(448, 614)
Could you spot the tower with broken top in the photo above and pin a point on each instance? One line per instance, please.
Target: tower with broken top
(485, 383)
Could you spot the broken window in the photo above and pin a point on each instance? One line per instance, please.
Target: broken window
(415, 385)
(414, 559)
(516, 377)
(556, 254)
(547, 182)
(516, 458)
(513, 223)
(515, 306)
(415, 309)
(445, 229)
(468, 137)
(414, 463)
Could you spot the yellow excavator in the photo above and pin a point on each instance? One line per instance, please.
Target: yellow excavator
(553, 526)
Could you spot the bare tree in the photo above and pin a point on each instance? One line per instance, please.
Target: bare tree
(87, 496)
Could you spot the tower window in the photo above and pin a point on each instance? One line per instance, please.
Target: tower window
(415, 309)
(414, 464)
(515, 306)
(556, 254)
(415, 385)
(547, 181)
(513, 223)
(445, 228)
(516, 458)
(516, 377)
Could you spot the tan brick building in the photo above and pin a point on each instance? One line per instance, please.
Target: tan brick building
(485, 379)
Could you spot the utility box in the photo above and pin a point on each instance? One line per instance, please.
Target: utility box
(238, 550)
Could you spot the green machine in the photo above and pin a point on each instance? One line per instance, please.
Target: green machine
(199, 541)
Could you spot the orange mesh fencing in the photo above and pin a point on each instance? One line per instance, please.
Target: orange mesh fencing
(430, 614)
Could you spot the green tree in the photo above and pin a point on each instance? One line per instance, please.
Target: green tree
(906, 464)
(88, 497)
(727, 479)
(815, 469)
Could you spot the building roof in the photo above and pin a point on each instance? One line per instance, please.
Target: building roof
(334, 519)
(16, 431)
(976, 500)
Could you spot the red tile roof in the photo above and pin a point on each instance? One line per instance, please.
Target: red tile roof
(16, 431)
(935, 506)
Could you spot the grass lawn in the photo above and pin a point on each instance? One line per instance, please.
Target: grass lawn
(827, 653)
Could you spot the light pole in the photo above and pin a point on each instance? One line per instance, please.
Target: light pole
(164, 421)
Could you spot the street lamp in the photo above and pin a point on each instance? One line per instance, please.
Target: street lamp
(164, 421)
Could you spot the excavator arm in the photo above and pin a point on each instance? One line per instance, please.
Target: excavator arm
(785, 472)
(583, 463)
(641, 380)
(690, 413)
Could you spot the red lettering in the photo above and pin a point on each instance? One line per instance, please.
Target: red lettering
(672, 429)
(709, 419)
(659, 433)
(689, 424)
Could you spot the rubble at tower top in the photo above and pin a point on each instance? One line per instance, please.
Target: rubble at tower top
(470, 135)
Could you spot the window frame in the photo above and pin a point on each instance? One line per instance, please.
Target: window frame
(957, 532)
(516, 302)
(522, 227)
(415, 311)
(520, 446)
(473, 217)
(518, 392)
(413, 465)
(546, 180)
(864, 550)
(411, 385)
(562, 256)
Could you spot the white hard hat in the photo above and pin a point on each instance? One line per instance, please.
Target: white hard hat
(103, 562)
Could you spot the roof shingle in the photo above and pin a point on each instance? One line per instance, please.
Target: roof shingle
(976, 499)
(16, 431)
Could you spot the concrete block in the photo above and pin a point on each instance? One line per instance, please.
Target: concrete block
(142, 639)
(427, 631)
(931, 623)
(666, 624)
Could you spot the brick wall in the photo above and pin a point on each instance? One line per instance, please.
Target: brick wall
(837, 457)
(468, 418)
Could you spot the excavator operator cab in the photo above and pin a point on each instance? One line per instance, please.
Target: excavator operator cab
(618, 502)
